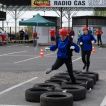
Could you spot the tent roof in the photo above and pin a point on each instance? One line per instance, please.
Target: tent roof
(37, 21)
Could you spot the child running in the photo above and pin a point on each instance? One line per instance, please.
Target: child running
(86, 41)
(64, 53)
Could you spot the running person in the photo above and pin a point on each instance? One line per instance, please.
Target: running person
(63, 55)
(86, 40)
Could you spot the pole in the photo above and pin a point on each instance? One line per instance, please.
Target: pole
(69, 18)
(61, 15)
(10, 30)
(2, 21)
(15, 22)
(87, 22)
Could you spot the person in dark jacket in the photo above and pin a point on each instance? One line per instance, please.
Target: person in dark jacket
(26, 36)
(99, 36)
(71, 34)
(90, 31)
(63, 55)
(21, 34)
(86, 40)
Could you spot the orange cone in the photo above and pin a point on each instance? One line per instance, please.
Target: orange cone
(93, 50)
(41, 53)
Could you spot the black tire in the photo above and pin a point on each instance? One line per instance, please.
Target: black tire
(89, 81)
(69, 83)
(89, 76)
(56, 99)
(50, 86)
(78, 92)
(57, 86)
(55, 80)
(62, 77)
(94, 73)
(77, 72)
(33, 94)
(62, 74)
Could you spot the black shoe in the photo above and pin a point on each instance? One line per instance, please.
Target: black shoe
(74, 82)
(87, 69)
(48, 71)
(84, 67)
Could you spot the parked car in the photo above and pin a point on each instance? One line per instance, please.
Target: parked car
(3, 37)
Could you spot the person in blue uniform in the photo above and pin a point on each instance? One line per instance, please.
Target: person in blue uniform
(90, 31)
(86, 41)
(63, 55)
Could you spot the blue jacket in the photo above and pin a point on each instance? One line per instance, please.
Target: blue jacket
(64, 48)
(87, 42)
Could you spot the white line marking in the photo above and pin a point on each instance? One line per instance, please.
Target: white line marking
(20, 55)
(50, 56)
(18, 85)
(31, 58)
(12, 53)
(14, 105)
(23, 83)
(76, 59)
(103, 102)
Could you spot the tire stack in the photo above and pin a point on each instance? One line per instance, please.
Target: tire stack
(60, 91)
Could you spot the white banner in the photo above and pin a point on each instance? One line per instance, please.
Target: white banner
(78, 3)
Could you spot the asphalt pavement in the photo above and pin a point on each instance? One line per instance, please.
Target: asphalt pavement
(21, 67)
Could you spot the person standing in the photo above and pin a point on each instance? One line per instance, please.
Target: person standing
(71, 34)
(35, 37)
(63, 55)
(99, 36)
(90, 31)
(53, 35)
(22, 33)
(26, 36)
(79, 35)
(57, 35)
(86, 40)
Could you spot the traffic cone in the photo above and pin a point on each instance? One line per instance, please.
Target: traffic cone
(93, 50)
(41, 53)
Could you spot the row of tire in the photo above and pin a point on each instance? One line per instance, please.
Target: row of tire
(59, 90)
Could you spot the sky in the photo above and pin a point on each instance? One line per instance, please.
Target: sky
(29, 14)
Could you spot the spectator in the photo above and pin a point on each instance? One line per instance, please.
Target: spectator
(13, 36)
(21, 35)
(26, 36)
(35, 37)
(99, 35)
(90, 31)
(53, 35)
(71, 34)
